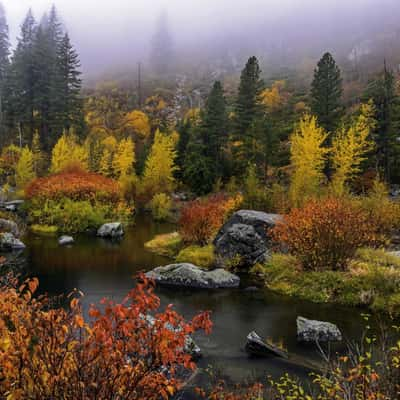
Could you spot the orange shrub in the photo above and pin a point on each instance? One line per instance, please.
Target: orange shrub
(48, 353)
(201, 219)
(325, 234)
(74, 184)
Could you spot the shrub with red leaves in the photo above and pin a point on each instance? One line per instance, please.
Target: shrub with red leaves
(325, 234)
(76, 185)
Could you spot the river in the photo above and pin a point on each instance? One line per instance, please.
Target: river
(101, 268)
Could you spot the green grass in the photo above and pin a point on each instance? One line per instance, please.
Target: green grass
(201, 256)
(373, 280)
(167, 244)
(44, 229)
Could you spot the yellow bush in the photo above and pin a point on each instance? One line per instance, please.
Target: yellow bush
(167, 244)
(201, 256)
(160, 206)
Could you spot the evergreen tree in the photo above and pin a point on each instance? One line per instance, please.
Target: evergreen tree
(214, 129)
(68, 107)
(248, 110)
(4, 64)
(326, 93)
(248, 106)
(21, 79)
(184, 129)
(387, 103)
(162, 48)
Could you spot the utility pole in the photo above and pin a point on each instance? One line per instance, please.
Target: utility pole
(139, 84)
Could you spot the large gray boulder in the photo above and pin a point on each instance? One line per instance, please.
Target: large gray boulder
(111, 230)
(8, 242)
(7, 225)
(309, 330)
(188, 275)
(244, 239)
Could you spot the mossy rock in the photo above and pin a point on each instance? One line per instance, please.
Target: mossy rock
(167, 244)
(45, 230)
(203, 257)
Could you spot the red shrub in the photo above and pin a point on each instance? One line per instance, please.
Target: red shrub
(201, 219)
(325, 234)
(48, 353)
(74, 184)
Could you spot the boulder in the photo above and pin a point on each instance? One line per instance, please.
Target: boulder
(7, 225)
(310, 331)
(255, 346)
(65, 240)
(111, 230)
(9, 242)
(189, 275)
(244, 239)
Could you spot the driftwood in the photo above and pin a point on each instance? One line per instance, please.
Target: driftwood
(255, 346)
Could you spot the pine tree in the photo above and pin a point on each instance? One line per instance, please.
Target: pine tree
(4, 65)
(326, 93)
(248, 110)
(24, 171)
(162, 47)
(68, 107)
(21, 81)
(383, 93)
(214, 130)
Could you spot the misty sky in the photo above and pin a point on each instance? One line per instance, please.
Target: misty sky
(117, 31)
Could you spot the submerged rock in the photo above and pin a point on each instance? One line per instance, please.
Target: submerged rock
(6, 225)
(9, 242)
(65, 240)
(111, 230)
(190, 346)
(310, 331)
(189, 275)
(255, 346)
(244, 239)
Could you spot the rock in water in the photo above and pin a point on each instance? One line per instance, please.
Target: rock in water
(9, 242)
(244, 238)
(189, 275)
(255, 346)
(111, 230)
(311, 331)
(65, 240)
(7, 225)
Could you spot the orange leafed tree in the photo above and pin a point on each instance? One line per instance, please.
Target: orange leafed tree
(48, 353)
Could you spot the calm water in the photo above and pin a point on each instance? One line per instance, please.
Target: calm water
(102, 268)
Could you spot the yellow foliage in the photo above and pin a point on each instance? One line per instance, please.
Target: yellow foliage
(159, 170)
(24, 171)
(68, 152)
(139, 122)
(307, 155)
(274, 98)
(124, 158)
(350, 148)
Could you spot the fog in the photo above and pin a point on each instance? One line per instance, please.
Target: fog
(116, 34)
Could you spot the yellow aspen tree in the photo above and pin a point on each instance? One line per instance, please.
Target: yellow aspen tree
(139, 122)
(350, 148)
(308, 156)
(124, 158)
(158, 176)
(110, 146)
(67, 152)
(24, 170)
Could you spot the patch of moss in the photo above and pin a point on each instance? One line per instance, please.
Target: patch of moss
(167, 244)
(201, 256)
(373, 280)
(49, 230)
